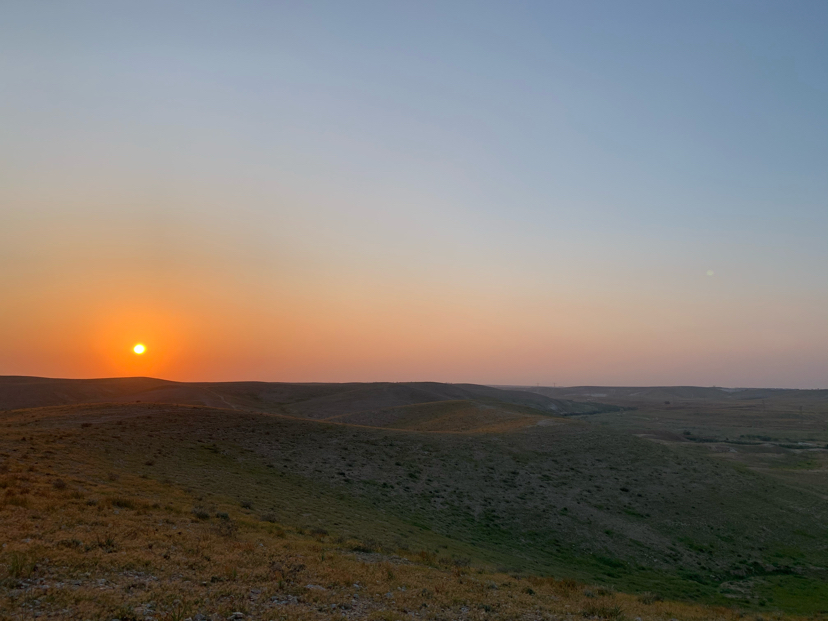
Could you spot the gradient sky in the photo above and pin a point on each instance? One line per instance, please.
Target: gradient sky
(490, 192)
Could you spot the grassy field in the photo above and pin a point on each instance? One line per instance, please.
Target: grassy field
(778, 433)
(563, 500)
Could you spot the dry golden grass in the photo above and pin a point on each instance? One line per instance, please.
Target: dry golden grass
(78, 542)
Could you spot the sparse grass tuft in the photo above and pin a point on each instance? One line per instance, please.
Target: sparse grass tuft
(19, 566)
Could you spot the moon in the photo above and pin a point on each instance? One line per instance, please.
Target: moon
(139, 349)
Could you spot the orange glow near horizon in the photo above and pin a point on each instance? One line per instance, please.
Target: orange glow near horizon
(374, 333)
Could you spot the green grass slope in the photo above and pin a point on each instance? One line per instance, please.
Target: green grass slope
(558, 497)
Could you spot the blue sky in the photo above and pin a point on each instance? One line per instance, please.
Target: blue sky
(532, 158)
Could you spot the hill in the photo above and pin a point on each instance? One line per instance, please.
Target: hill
(447, 416)
(524, 492)
(658, 394)
(780, 433)
(318, 401)
(86, 537)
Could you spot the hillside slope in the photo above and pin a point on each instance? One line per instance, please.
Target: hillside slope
(557, 497)
(83, 541)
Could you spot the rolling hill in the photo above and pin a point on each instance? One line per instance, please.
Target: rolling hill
(505, 484)
(317, 401)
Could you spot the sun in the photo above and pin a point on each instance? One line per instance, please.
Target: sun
(139, 349)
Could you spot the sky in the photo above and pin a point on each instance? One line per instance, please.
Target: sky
(557, 192)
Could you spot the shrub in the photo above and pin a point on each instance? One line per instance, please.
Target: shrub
(567, 586)
(200, 513)
(59, 484)
(366, 545)
(123, 503)
(649, 598)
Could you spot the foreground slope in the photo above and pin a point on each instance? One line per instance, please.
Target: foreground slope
(556, 497)
(81, 541)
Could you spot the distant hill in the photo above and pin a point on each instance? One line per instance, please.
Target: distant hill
(316, 401)
(667, 393)
(447, 416)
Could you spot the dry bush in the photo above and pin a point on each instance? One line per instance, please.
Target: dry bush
(567, 586)
(200, 513)
(122, 503)
(649, 598)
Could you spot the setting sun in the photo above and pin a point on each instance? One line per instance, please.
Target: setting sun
(139, 349)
